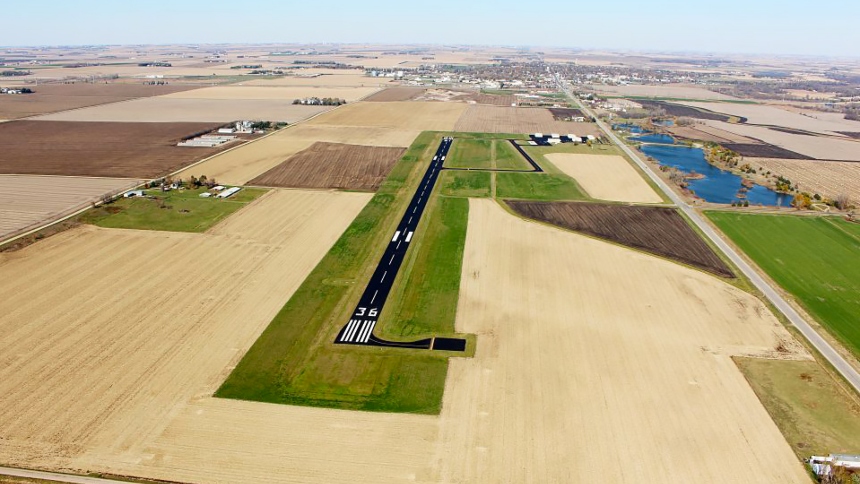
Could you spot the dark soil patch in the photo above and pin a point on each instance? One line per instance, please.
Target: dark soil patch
(764, 151)
(133, 150)
(686, 111)
(850, 134)
(657, 230)
(333, 165)
(566, 114)
(393, 94)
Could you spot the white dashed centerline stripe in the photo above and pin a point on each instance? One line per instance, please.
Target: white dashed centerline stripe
(391, 260)
(386, 272)
(374, 296)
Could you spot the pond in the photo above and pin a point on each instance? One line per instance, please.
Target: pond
(629, 127)
(663, 139)
(718, 186)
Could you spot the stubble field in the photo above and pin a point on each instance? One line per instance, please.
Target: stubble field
(827, 178)
(333, 165)
(606, 177)
(497, 119)
(134, 150)
(401, 115)
(774, 116)
(101, 347)
(27, 201)
(817, 147)
(240, 91)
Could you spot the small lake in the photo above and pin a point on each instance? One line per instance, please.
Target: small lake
(663, 139)
(718, 186)
(629, 127)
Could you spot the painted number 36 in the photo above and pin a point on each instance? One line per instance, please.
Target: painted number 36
(372, 313)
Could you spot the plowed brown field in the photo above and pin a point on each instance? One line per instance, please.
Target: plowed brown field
(496, 119)
(27, 201)
(51, 98)
(333, 165)
(393, 94)
(138, 150)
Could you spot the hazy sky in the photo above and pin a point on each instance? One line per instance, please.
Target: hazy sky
(824, 27)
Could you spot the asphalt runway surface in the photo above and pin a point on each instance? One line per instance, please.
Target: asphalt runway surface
(359, 329)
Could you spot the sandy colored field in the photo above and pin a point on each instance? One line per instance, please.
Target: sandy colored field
(703, 132)
(238, 166)
(139, 150)
(590, 352)
(101, 346)
(326, 78)
(681, 91)
(27, 201)
(401, 115)
(498, 119)
(821, 148)
(333, 165)
(400, 93)
(606, 177)
(50, 98)
(774, 116)
(827, 178)
(164, 109)
(236, 92)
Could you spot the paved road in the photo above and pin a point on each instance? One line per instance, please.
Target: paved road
(56, 477)
(359, 329)
(820, 344)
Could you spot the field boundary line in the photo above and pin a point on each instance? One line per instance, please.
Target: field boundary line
(848, 372)
(56, 476)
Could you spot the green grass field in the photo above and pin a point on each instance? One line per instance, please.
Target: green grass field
(816, 259)
(485, 153)
(814, 413)
(176, 210)
(475, 184)
(295, 361)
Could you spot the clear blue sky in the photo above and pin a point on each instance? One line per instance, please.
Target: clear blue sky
(824, 27)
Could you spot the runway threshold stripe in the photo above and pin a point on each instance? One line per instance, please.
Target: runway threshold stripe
(354, 330)
(368, 332)
(347, 330)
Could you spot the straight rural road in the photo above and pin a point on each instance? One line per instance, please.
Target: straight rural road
(56, 477)
(820, 344)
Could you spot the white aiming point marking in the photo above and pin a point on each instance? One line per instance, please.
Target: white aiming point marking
(396, 234)
(409, 236)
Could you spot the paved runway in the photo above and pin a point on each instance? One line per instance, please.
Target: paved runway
(359, 329)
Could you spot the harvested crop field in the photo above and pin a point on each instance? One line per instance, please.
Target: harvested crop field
(764, 151)
(606, 177)
(239, 91)
(828, 178)
(91, 373)
(497, 119)
(51, 98)
(815, 147)
(422, 116)
(679, 91)
(238, 166)
(600, 350)
(561, 114)
(169, 110)
(763, 114)
(133, 150)
(394, 94)
(325, 78)
(658, 230)
(27, 201)
(703, 132)
(333, 165)
(673, 109)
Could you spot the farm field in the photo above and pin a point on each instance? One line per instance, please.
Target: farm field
(323, 78)
(133, 150)
(399, 115)
(242, 92)
(669, 92)
(817, 147)
(827, 178)
(606, 177)
(657, 230)
(27, 201)
(466, 183)
(176, 210)
(241, 165)
(575, 333)
(333, 165)
(395, 94)
(169, 110)
(818, 268)
(485, 153)
(497, 119)
(815, 413)
(94, 371)
(50, 98)
(773, 116)
(704, 132)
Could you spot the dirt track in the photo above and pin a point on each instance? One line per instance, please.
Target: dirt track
(27, 201)
(599, 364)
(606, 177)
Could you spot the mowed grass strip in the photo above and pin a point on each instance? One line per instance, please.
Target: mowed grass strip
(815, 414)
(175, 211)
(485, 153)
(295, 360)
(475, 184)
(816, 259)
(423, 302)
